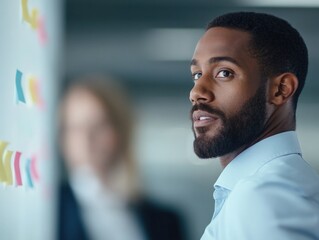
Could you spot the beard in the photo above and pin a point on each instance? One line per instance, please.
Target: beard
(238, 130)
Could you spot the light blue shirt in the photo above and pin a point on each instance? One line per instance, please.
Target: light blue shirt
(268, 192)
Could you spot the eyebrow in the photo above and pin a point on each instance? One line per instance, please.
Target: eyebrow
(212, 60)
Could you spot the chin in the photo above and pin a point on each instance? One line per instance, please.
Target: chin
(207, 132)
(209, 144)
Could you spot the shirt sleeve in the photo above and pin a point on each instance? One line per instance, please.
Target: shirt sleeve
(266, 210)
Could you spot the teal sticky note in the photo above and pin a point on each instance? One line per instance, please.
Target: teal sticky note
(20, 94)
(28, 173)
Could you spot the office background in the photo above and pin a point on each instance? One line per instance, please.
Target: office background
(147, 46)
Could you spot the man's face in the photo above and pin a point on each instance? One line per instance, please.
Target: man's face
(229, 93)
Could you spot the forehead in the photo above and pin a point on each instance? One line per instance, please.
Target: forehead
(220, 41)
(82, 105)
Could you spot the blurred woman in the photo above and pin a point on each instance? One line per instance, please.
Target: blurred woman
(100, 197)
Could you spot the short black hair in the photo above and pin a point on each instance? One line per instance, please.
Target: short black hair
(278, 46)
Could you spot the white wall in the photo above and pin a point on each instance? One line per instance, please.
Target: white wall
(28, 212)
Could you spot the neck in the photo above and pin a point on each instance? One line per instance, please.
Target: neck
(276, 123)
(121, 181)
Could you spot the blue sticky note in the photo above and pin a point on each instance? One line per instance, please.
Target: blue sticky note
(19, 89)
(28, 171)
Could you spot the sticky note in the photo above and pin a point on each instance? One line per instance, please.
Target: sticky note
(33, 89)
(25, 11)
(42, 33)
(28, 173)
(32, 18)
(33, 168)
(40, 101)
(17, 168)
(19, 89)
(7, 167)
(34, 92)
(3, 146)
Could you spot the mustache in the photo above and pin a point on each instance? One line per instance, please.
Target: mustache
(209, 109)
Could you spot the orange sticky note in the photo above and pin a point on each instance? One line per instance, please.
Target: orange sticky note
(34, 92)
(3, 146)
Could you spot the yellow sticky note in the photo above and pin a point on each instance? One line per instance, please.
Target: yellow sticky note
(7, 167)
(33, 89)
(25, 13)
(3, 146)
(32, 18)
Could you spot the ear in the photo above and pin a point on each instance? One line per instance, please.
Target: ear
(282, 88)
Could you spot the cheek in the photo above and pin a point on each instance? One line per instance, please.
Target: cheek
(95, 147)
(75, 149)
(229, 102)
(231, 99)
(107, 141)
(105, 146)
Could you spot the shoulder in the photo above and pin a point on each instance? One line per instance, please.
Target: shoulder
(256, 208)
(70, 224)
(152, 209)
(285, 186)
(159, 221)
(65, 194)
(289, 174)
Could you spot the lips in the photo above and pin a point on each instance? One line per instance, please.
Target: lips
(202, 118)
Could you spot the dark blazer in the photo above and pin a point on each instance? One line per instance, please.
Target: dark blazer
(157, 222)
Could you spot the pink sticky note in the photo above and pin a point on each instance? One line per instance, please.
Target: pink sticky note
(40, 101)
(17, 168)
(42, 34)
(34, 170)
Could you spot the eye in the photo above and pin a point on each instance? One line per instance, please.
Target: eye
(224, 74)
(196, 76)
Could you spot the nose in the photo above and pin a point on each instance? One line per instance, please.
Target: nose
(202, 92)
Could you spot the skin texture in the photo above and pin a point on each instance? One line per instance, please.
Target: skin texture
(226, 76)
(89, 138)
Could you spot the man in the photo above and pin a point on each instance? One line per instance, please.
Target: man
(248, 71)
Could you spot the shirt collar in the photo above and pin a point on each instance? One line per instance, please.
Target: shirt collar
(251, 159)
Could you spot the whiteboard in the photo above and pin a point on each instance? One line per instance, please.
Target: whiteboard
(29, 47)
